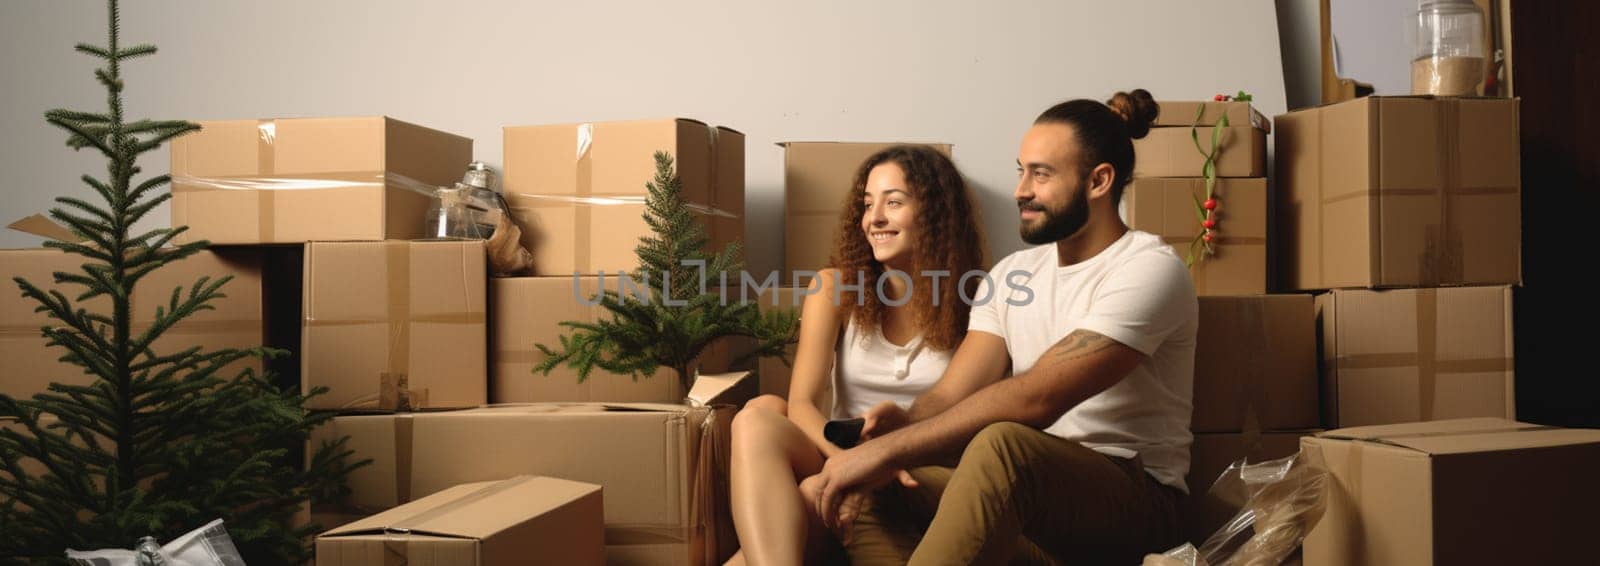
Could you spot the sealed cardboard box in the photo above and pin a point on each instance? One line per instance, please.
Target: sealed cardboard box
(521, 520)
(663, 467)
(302, 179)
(234, 320)
(1256, 364)
(1400, 192)
(1171, 152)
(526, 311)
(396, 324)
(578, 190)
(1166, 207)
(1186, 113)
(1467, 491)
(1407, 355)
(817, 178)
(1210, 456)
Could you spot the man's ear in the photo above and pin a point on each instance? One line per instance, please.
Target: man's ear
(1100, 179)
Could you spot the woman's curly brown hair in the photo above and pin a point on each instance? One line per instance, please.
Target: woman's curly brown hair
(947, 239)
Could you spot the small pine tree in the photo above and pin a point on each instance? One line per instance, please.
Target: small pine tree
(158, 444)
(671, 328)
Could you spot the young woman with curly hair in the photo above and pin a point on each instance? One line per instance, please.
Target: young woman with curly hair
(879, 326)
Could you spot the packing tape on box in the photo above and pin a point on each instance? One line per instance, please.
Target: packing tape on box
(1255, 380)
(266, 182)
(1425, 359)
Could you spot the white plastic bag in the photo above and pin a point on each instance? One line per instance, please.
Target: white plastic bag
(206, 546)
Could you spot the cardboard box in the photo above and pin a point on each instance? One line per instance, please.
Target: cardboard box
(1184, 113)
(526, 311)
(1407, 355)
(1400, 192)
(520, 520)
(1166, 207)
(234, 321)
(772, 372)
(302, 179)
(578, 190)
(1467, 492)
(1211, 455)
(1170, 152)
(1255, 364)
(395, 324)
(663, 467)
(817, 178)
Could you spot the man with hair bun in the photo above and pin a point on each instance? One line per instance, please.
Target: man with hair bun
(1065, 411)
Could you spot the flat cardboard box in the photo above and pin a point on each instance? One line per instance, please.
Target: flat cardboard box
(817, 178)
(234, 320)
(1459, 492)
(296, 180)
(521, 520)
(1183, 113)
(1256, 364)
(1165, 206)
(1211, 455)
(526, 311)
(663, 467)
(1170, 152)
(578, 190)
(1400, 192)
(396, 324)
(1406, 355)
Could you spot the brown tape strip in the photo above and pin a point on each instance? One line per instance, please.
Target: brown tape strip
(1448, 257)
(516, 356)
(1255, 379)
(396, 551)
(1378, 361)
(583, 217)
(1458, 191)
(402, 457)
(266, 164)
(397, 269)
(1427, 350)
(436, 318)
(480, 494)
(1230, 240)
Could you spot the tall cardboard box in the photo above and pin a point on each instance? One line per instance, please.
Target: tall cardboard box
(817, 177)
(234, 321)
(1459, 492)
(521, 520)
(1407, 355)
(663, 467)
(1400, 192)
(1166, 207)
(1256, 364)
(525, 311)
(1211, 455)
(296, 180)
(395, 324)
(578, 190)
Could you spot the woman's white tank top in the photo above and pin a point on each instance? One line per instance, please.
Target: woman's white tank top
(869, 369)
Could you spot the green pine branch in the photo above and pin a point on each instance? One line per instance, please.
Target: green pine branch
(159, 443)
(642, 335)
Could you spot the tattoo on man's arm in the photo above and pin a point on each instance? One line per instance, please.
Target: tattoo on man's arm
(1080, 343)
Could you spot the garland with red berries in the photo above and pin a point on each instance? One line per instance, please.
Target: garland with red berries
(1206, 211)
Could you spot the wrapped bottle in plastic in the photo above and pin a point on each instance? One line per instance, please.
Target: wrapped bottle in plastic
(209, 545)
(1281, 500)
(470, 209)
(1449, 58)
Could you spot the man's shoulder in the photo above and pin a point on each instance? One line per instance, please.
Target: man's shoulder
(1148, 252)
(1025, 258)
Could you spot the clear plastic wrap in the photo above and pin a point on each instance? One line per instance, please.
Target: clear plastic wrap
(1280, 501)
(209, 545)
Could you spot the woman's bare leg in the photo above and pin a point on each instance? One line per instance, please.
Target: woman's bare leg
(770, 456)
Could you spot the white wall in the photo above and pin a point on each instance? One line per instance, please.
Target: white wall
(970, 73)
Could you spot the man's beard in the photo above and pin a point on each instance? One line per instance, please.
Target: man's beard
(1057, 224)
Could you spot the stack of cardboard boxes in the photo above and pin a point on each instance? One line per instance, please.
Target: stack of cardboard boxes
(1404, 213)
(429, 361)
(1255, 374)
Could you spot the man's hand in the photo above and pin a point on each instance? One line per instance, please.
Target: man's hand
(846, 478)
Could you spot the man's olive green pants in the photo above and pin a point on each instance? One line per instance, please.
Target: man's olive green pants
(1020, 496)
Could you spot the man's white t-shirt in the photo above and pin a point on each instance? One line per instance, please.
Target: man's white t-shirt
(1136, 292)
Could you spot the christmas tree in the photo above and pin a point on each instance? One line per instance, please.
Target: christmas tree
(672, 324)
(159, 443)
